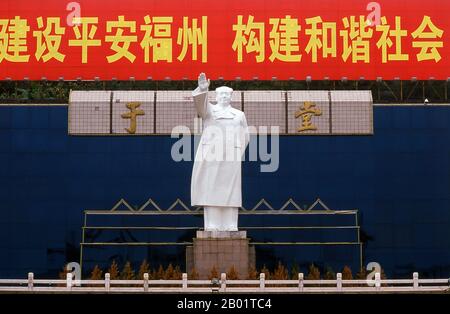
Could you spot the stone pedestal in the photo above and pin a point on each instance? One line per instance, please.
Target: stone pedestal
(222, 250)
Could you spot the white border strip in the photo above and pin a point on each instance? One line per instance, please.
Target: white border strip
(375, 105)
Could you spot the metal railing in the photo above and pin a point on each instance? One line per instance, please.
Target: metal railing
(222, 284)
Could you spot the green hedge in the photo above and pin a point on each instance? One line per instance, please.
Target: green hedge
(396, 91)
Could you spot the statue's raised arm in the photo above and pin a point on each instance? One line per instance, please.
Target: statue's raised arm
(203, 83)
(200, 95)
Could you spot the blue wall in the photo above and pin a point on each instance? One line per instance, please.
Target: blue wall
(399, 179)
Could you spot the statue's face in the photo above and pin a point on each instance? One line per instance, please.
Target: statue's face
(223, 97)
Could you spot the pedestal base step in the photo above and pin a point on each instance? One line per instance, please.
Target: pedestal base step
(220, 250)
(202, 234)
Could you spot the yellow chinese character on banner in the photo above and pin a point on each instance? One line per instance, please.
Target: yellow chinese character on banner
(13, 40)
(48, 39)
(157, 36)
(428, 49)
(284, 39)
(358, 33)
(307, 112)
(195, 37)
(321, 37)
(85, 36)
(132, 115)
(250, 35)
(120, 42)
(385, 41)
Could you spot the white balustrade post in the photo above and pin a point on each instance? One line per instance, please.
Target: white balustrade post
(415, 281)
(30, 281)
(262, 281)
(377, 281)
(300, 281)
(223, 282)
(146, 282)
(69, 281)
(107, 281)
(339, 281)
(185, 279)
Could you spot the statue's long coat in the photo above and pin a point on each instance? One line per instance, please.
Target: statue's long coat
(216, 175)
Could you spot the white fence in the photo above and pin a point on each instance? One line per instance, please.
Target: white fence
(376, 285)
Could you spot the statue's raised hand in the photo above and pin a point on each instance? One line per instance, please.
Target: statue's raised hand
(203, 83)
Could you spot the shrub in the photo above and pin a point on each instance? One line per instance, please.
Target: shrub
(144, 268)
(266, 271)
(347, 273)
(160, 274)
(294, 272)
(193, 275)
(177, 273)
(214, 273)
(329, 274)
(252, 273)
(232, 273)
(281, 272)
(362, 274)
(168, 275)
(113, 271)
(314, 273)
(127, 272)
(96, 274)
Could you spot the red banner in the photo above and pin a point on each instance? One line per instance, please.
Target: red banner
(177, 39)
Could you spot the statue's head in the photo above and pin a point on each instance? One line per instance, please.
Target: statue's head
(223, 95)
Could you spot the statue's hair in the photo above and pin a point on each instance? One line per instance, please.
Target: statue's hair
(224, 89)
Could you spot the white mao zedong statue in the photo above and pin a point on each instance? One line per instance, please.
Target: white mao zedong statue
(216, 175)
